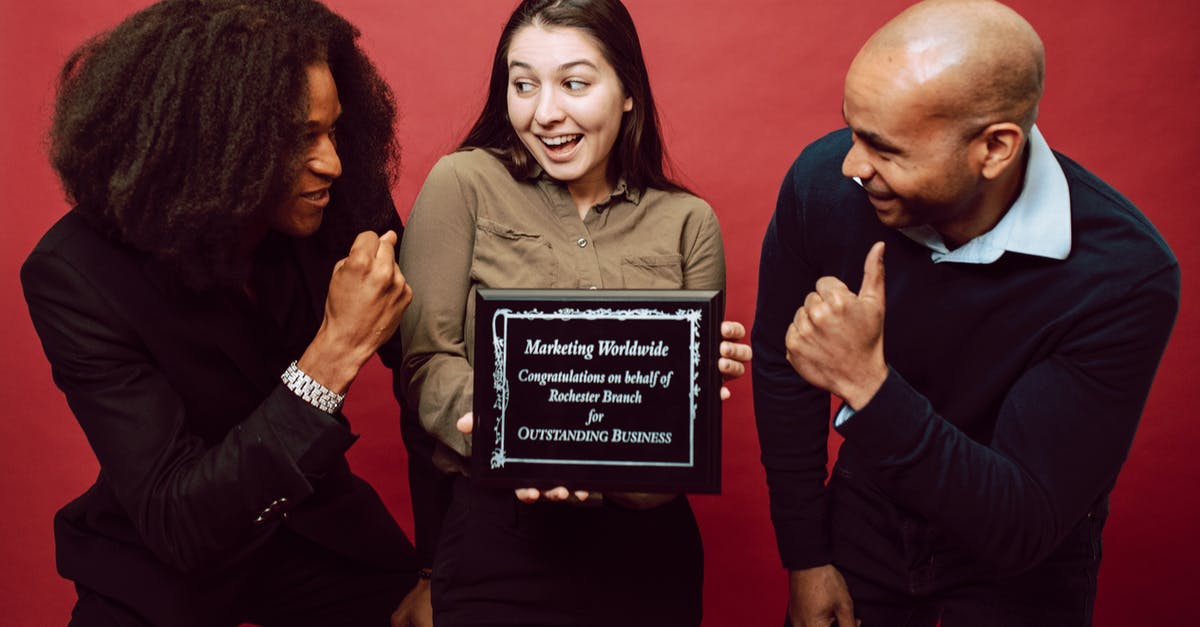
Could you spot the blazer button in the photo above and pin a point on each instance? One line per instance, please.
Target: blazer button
(582, 242)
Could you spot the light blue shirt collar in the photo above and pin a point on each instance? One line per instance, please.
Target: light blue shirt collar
(1038, 223)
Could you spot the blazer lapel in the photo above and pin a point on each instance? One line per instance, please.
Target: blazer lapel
(316, 268)
(216, 319)
(226, 320)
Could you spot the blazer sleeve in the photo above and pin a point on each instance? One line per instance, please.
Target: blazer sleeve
(194, 504)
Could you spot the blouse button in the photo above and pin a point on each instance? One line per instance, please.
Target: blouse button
(582, 242)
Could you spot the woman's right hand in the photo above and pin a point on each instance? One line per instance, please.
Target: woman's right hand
(466, 424)
(367, 296)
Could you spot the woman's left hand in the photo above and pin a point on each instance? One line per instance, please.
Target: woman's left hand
(734, 354)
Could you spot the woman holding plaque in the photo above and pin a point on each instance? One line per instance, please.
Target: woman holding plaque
(560, 183)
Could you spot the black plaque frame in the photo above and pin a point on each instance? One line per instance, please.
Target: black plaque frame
(689, 461)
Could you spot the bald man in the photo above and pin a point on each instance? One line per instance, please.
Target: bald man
(990, 384)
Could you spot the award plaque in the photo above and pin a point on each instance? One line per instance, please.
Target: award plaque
(598, 389)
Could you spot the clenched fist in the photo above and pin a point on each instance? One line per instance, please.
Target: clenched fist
(367, 296)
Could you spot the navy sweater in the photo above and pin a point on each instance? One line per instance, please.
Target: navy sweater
(1015, 387)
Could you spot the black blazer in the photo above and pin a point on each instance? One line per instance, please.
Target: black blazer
(203, 453)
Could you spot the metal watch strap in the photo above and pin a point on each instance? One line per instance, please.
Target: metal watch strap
(306, 388)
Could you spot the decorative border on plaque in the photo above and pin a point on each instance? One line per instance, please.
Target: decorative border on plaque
(500, 379)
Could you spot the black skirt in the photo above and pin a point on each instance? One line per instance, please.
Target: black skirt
(503, 562)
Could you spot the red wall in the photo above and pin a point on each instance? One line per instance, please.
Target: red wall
(742, 86)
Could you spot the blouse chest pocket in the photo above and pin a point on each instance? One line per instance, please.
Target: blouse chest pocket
(507, 257)
(663, 272)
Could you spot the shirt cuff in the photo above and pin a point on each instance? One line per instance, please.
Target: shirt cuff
(845, 413)
(892, 424)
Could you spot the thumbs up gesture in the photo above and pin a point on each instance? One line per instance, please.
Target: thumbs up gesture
(835, 340)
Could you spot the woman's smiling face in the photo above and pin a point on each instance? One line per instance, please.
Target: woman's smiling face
(565, 102)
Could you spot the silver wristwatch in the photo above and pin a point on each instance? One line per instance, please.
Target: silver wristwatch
(316, 394)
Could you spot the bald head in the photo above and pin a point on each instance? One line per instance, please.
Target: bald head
(972, 60)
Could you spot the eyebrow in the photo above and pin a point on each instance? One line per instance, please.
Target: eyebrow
(562, 68)
(317, 123)
(874, 140)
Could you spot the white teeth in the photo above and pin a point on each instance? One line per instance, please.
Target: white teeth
(560, 140)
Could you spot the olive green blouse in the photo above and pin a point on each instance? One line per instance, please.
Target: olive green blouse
(473, 225)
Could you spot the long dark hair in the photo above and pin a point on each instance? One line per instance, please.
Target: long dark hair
(179, 127)
(638, 154)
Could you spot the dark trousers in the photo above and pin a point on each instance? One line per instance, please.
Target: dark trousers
(901, 571)
(503, 562)
(291, 582)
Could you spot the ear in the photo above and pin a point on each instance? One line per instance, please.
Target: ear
(628, 105)
(1000, 146)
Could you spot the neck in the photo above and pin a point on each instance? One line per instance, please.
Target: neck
(252, 238)
(988, 207)
(587, 192)
(253, 235)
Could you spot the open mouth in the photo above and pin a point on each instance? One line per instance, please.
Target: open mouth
(879, 196)
(561, 144)
(318, 196)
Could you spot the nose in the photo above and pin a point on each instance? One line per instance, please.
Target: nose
(857, 164)
(548, 111)
(324, 160)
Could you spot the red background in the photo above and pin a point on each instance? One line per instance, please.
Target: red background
(742, 86)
